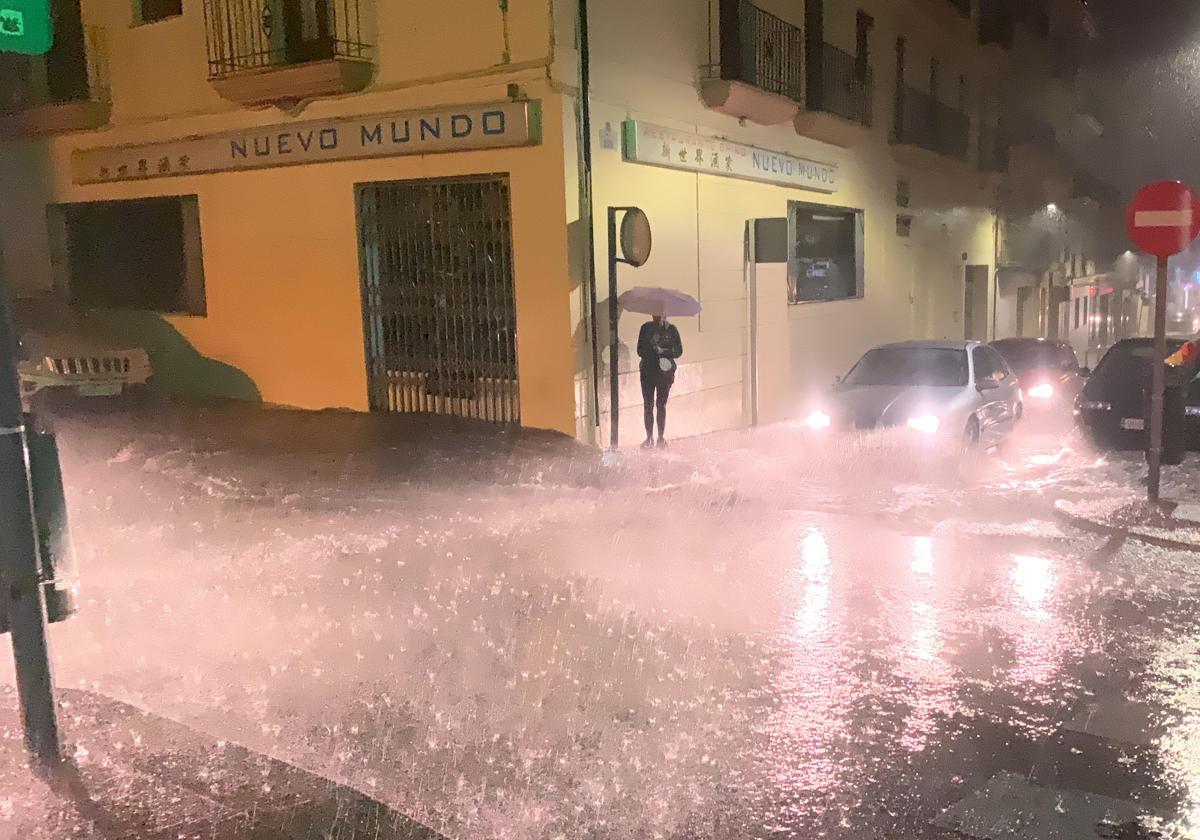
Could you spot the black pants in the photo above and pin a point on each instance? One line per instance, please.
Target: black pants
(656, 387)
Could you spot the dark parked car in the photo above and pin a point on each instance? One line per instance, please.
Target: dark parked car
(1047, 369)
(1114, 405)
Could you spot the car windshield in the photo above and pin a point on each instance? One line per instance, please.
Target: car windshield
(909, 367)
(1027, 355)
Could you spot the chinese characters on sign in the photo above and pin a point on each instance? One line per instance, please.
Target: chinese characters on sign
(473, 127)
(659, 146)
(166, 165)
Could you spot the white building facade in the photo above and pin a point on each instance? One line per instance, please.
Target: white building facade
(875, 132)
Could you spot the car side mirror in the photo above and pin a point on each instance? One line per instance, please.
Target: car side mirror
(987, 385)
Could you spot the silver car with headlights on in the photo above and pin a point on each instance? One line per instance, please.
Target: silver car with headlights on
(955, 391)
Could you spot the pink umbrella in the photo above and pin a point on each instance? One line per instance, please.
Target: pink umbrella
(655, 301)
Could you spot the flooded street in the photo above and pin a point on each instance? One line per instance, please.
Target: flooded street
(748, 635)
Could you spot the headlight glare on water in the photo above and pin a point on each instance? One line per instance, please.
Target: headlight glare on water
(819, 420)
(926, 424)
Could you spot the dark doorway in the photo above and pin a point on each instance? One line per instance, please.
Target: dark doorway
(1023, 296)
(439, 308)
(975, 305)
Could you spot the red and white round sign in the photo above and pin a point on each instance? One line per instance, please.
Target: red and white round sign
(1163, 218)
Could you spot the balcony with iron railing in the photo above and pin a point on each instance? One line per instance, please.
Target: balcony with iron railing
(1092, 188)
(282, 51)
(1025, 128)
(1037, 161)
(847, 88)
(926, 125)
(64, 90)
(758, 71)
(1025, 241)
(840, 106)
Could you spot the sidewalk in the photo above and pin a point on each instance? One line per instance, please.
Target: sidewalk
(134, 776)
(1175, 525)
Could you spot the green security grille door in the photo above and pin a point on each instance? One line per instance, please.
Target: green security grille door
(439, 314)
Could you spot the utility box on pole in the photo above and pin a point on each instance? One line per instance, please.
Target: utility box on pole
(54, 541)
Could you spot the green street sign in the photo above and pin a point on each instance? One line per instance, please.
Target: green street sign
(25, 26)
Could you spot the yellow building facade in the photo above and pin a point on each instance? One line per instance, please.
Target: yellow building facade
(385, 206)
(282, 262)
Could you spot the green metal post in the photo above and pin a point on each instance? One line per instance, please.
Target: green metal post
(20, 568)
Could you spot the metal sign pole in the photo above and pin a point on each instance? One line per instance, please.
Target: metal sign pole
(20, 569)
(27, 27)
(635, 250)
(1158, 384)
(752, 258)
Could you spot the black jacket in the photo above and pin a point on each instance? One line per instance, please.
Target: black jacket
(659, 341)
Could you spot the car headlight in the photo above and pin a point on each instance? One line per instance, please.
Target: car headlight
(818, 420)
(925, 424)
(1094, 405)
(1045, 391)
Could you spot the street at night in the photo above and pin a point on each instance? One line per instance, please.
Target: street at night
(746, 636)
(599, 420)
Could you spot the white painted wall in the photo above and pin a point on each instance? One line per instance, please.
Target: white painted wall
(645, 66)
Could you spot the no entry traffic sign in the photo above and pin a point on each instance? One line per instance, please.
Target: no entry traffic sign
(1163, 218)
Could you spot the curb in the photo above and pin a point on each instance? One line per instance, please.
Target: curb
(146, 777)
(1095, 527)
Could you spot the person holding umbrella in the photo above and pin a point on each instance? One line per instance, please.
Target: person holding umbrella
(659, 345)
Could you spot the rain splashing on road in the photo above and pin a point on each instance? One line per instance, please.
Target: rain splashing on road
(501, 638)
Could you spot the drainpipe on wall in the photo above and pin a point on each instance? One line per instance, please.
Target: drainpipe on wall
(586, 205)
(506, 53)
(996, 266)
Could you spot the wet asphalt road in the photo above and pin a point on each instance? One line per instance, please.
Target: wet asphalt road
(748, 635)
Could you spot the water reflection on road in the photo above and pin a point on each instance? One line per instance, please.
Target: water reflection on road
(743, 637)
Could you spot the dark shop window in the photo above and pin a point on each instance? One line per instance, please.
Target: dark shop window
(826, 253)
(143, 254)
(149, 11)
